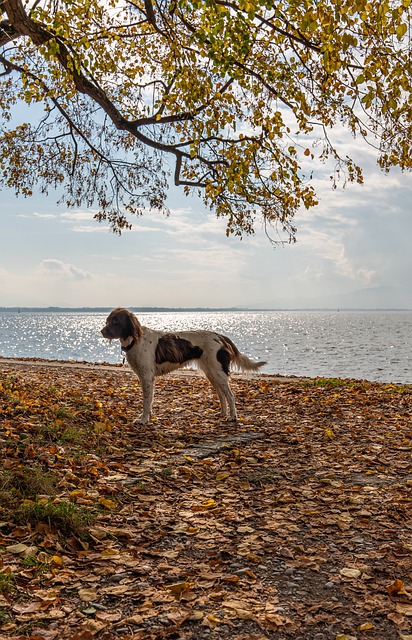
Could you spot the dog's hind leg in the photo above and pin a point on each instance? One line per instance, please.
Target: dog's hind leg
(221, 396)
(226, 396)
(148, 391)
(220, 383)
(230, 400)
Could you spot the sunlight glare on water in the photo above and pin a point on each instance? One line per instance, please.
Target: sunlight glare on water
(373, 345)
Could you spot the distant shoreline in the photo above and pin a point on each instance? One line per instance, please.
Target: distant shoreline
(191, 309)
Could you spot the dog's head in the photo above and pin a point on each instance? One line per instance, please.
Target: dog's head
(122, 324)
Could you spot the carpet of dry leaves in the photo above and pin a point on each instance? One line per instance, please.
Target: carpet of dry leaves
(294, 523)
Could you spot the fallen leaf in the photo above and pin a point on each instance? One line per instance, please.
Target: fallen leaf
(82, 635)
(110, 553)
(134, 619)
(57, 561)
(109, 504)
(239, 608)
(116, 589)
(404, 608)
(396, 618)
(108, 616)
(177, 617)
(396, 587)
(277, 619)
(24, 608)
(17, 549)
(98, 533)
(350, 572)
(88, 595)
(211, 621)
(197, 615)
(178, 588)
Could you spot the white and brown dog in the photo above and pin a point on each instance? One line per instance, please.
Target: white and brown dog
(153, 353)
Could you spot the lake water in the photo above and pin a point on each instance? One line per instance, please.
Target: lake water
(371, 345)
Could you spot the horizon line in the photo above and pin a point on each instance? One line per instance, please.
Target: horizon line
(185, 309)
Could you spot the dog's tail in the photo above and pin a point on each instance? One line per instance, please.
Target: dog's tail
(234, 357)
(243, 363)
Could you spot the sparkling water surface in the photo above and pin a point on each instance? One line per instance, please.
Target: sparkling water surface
(371, 345)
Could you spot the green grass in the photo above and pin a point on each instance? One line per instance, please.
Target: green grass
(26, 483)
(31, 562)
(60, 432)
(6, 582)
(64, 517)
(19, 500)
(330, 382)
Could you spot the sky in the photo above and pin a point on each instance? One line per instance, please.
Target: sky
(353, 251)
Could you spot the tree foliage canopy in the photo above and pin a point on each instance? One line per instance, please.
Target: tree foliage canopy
(225, 95)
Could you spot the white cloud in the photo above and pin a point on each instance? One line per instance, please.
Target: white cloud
(43, 216)
(76, 215)
(50, 267)
(328, 258)
(88, 228)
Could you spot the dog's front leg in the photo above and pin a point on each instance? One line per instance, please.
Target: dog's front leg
(147, 390)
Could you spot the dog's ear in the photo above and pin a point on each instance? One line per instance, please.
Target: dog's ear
(136, 327)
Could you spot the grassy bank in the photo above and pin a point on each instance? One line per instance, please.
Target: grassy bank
(294, 523)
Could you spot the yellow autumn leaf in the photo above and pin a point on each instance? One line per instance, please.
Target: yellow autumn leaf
(191, 531)
(208, 504)
(77, 493)
(222, 476)
(28, 503)
(109, 553)
(109, 504)
(366, 626)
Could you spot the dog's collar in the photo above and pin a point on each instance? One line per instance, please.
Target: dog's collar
(129, 346)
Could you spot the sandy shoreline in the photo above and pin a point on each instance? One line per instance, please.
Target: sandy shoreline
(40, 362)
(34, 363)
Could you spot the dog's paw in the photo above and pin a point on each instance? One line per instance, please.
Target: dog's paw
(141, 421)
